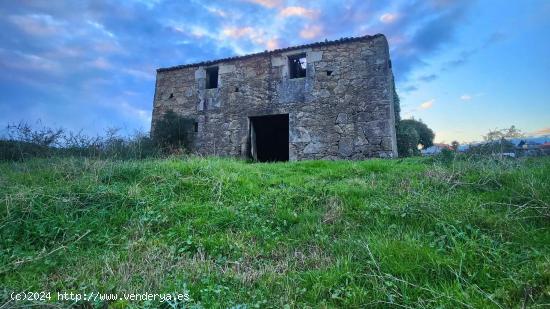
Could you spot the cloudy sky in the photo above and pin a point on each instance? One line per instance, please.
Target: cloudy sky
(463, 67)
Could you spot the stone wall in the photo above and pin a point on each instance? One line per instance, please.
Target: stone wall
(345, 115)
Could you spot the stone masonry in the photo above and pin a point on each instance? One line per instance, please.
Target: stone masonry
(341, 109)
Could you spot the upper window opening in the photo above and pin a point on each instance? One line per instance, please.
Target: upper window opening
(212, 78)
(297, 65)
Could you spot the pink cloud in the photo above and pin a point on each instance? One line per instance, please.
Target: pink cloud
(311, 31)
(236, 32)
(299, 11)
(272, 44)
(428, 104)
(267, 3)
(257, 36)
(542, 131)
(388, 18)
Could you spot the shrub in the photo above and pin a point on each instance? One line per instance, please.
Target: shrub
(492, 147)
(407, 141)
(17, 150)
(174, 132)
(446, 156)
(25, 142)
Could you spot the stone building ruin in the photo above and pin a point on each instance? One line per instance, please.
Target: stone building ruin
(326, 100)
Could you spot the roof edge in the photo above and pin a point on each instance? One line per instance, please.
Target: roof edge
(234, 58)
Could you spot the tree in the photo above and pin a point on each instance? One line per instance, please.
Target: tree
(455, 145)
(497, 141)
(492, 147)
(499, 134)
(407, 141)
(425, 134)
(174, 131)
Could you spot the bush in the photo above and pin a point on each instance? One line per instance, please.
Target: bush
(174, 132)
(446, 156)
(492, 147)
(17, 150)
(25, 142)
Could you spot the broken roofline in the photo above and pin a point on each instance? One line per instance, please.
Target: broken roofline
(316, 44)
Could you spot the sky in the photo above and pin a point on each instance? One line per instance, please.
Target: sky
(463, 67)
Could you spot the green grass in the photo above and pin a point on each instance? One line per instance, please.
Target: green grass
(377, 233)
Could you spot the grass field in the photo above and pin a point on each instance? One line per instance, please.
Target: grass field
(379, 233)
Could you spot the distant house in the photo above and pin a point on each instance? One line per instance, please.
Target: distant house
(529, 148)
(463, 148)
(435, 149)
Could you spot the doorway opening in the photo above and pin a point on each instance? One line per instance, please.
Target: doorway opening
(269, 138)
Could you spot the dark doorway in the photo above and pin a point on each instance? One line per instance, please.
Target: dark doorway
(269, 138)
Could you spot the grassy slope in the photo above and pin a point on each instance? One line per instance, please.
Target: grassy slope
(334, 234)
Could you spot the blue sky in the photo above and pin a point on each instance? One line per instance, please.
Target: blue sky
(463, 67)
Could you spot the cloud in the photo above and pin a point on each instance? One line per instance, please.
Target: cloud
(427, 104)
(255, 35)
(311, 31)
(409, 88)
(37, 24)
(106, 47)
(468, 97)
(141, 74)
(150, 4)
(101, 63)
(216, 11)
(130, 110)
(195, 31)
(542, 131)
(236, 33)
(298, 11)
(28, 62)
(198, 31)
(421, 31)
(272, 44)
(428, 78)
(266, 3)
(388, 18)
(100, 28)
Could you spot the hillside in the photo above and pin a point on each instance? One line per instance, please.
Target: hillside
(407, 232)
